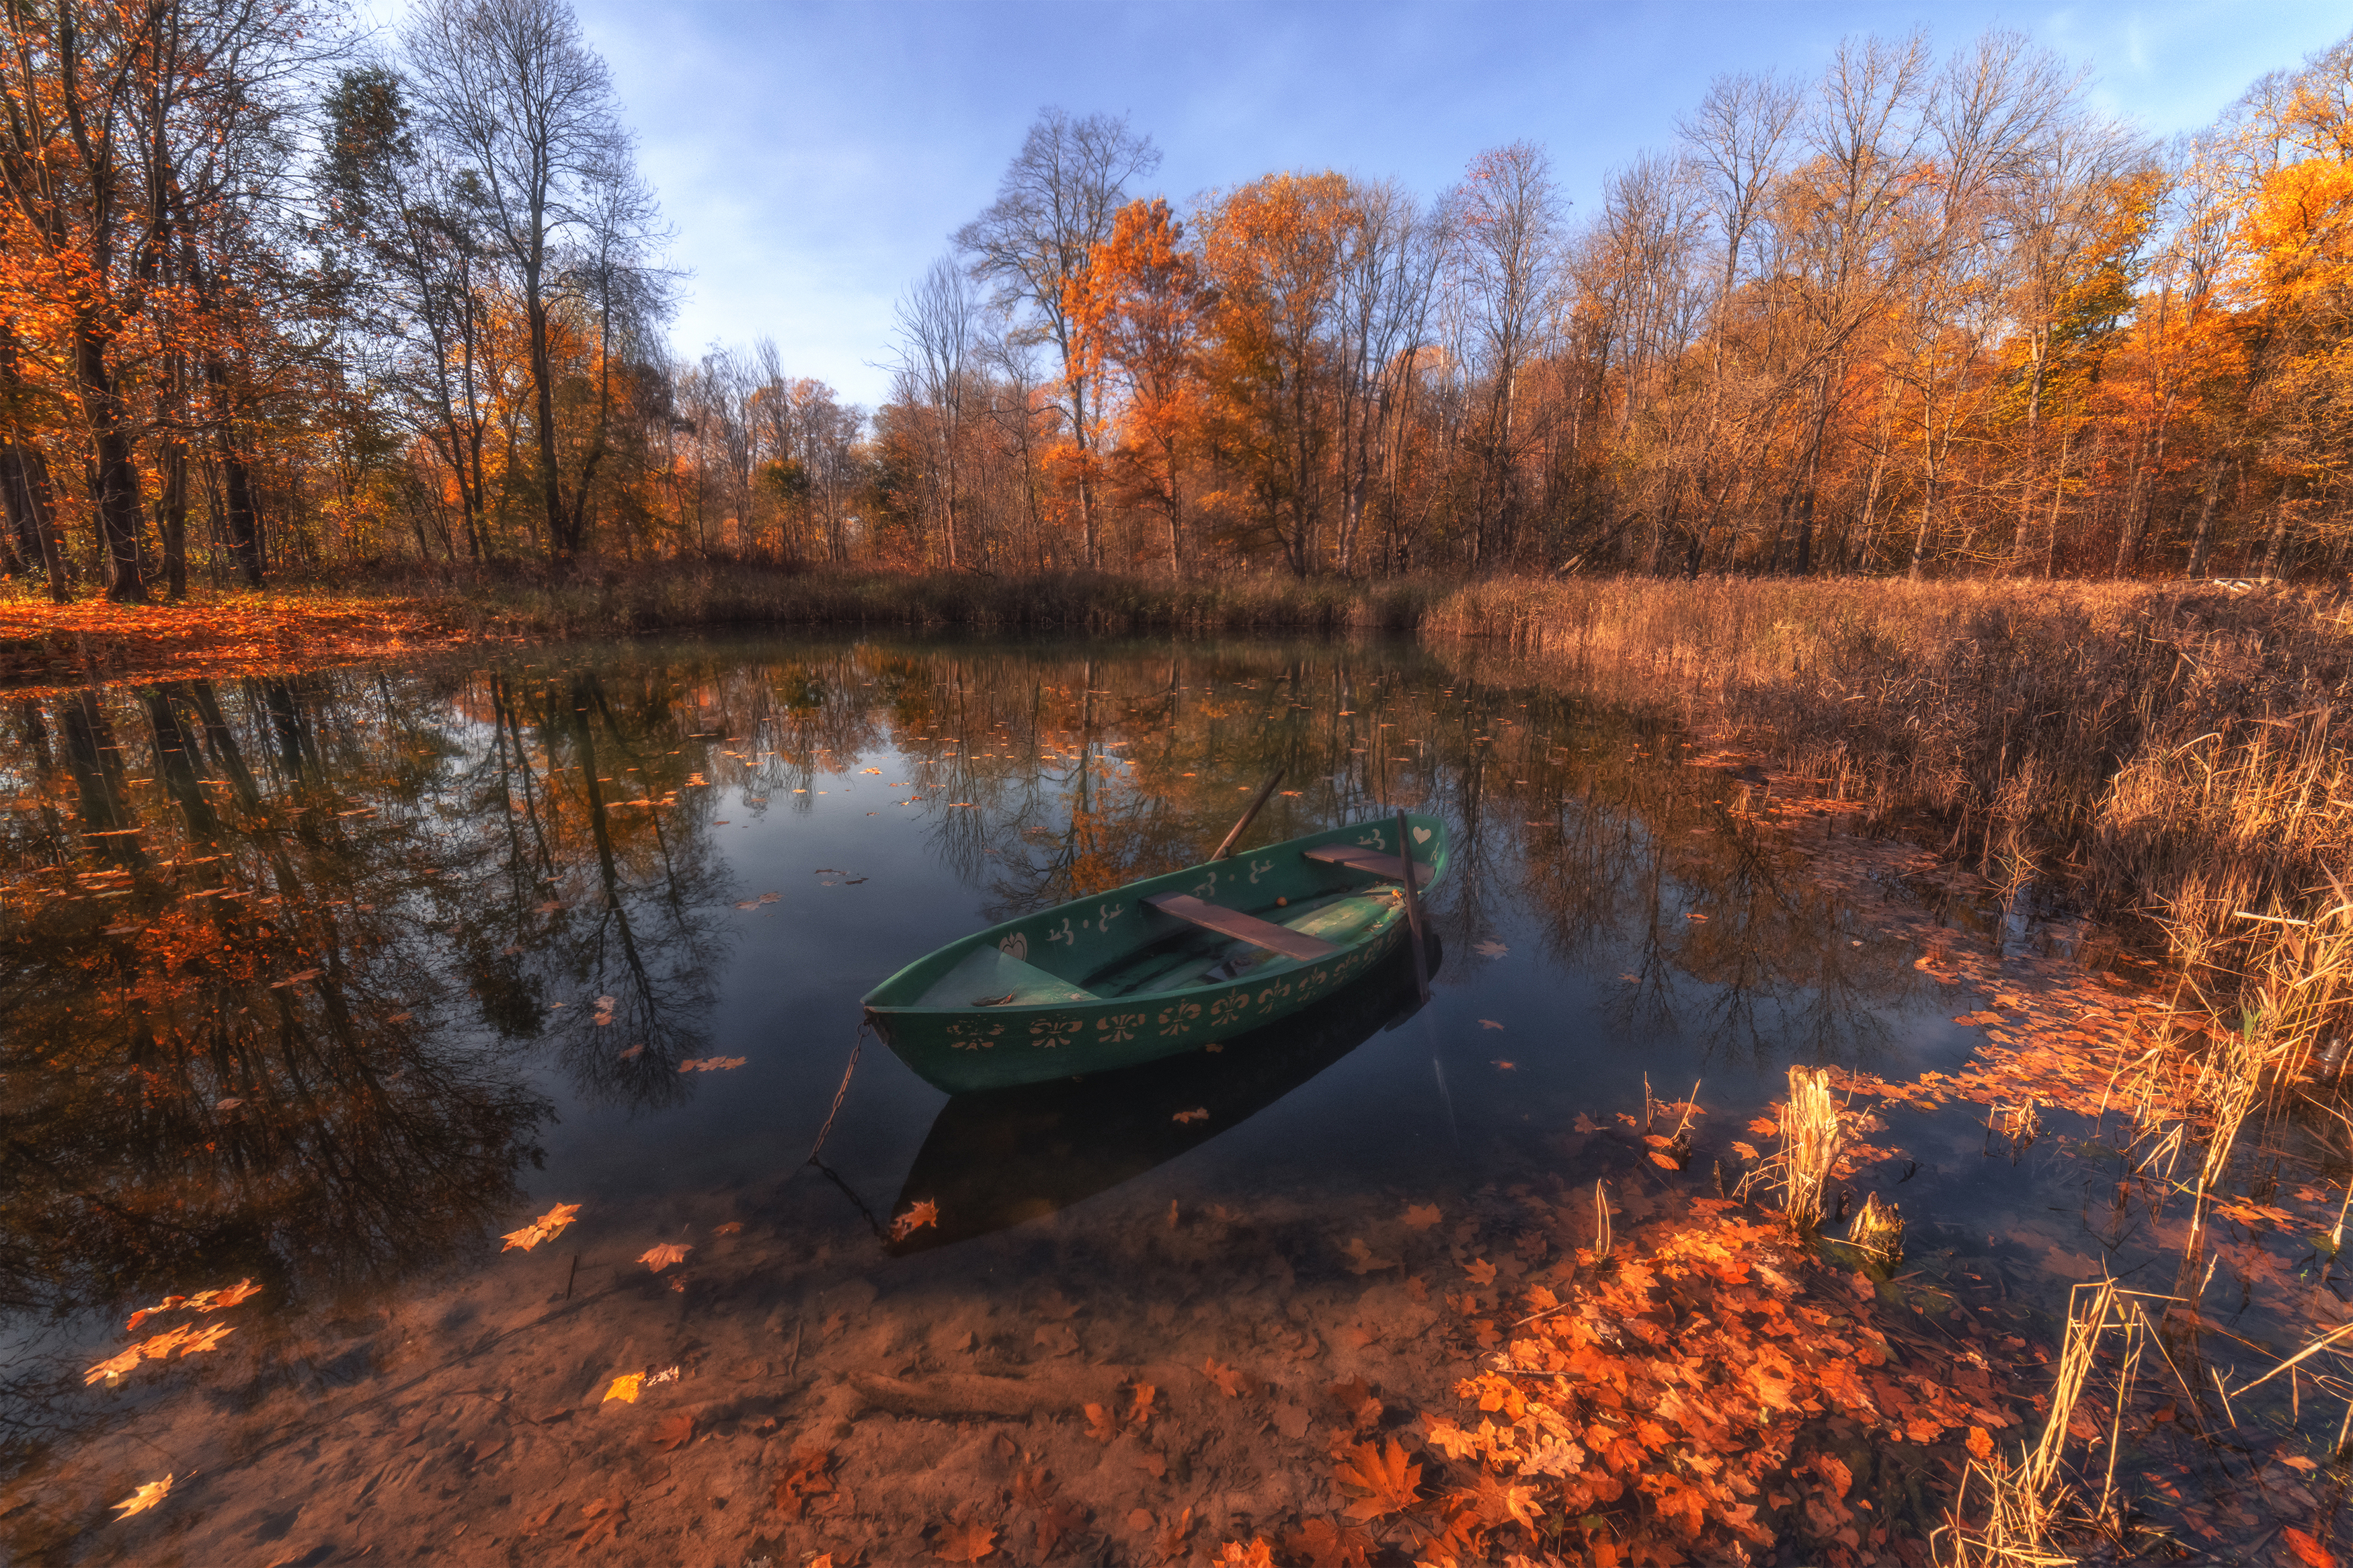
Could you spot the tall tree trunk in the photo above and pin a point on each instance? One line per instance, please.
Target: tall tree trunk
(114, 476)
(172, 514)
(560, 539)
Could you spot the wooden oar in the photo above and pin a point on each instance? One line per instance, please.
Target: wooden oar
(1413, 910)
(1265, 790)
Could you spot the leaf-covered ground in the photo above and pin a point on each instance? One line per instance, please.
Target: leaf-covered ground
(215, 633)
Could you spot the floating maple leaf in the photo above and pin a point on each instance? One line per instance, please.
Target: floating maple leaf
(1198, 1113)
(1585, 1123)
(168, 1304)
(1489, 949)
(114, 1366)
(1420, 1217)
(672, 1432)
(732, 1228)
(145, 1498)
(926, 1212)
(661, 1257)
(207, 1339)
(711, 1064)
(545, 1228)
(625, 1388)
(1480, 1271)
(1235, 1554)
(1489, 1024)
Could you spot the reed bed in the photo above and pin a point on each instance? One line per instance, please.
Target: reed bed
(2172, 759)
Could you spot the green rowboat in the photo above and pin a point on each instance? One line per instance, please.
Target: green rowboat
(1167, 964)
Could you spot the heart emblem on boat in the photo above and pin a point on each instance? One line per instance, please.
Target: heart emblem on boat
(1421, 835)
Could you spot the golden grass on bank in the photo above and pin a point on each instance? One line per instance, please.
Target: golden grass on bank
(2019, 1513)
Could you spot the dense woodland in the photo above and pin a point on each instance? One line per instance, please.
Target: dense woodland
(279, 298)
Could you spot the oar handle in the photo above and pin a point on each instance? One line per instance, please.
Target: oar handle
(1413, 907)
(1265, 790)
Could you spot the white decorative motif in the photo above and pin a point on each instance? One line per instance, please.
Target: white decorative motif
(1064, 934)
(1116, 1026)
(1421, 835)
(1258, 868)
(1209, 886)
(1109, 912)
(1016, 946)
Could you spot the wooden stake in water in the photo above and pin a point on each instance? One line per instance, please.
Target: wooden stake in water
(1413, 908)
(1265, 790)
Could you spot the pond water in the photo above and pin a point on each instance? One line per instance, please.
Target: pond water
(327, 982)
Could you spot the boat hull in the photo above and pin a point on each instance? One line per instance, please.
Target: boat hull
(964, 1047)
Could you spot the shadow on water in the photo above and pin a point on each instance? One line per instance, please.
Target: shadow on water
(998, 1157)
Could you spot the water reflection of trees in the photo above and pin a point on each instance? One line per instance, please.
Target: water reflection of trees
(273, 951)
(279, 950)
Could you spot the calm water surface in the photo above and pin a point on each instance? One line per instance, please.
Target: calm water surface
(329, 980)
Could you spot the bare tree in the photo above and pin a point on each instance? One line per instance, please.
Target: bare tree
(1053, 206)
(937, 329)
(1506, 220)
(528, 109)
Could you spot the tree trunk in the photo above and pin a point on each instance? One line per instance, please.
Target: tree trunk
(171, 515)
(114, 476)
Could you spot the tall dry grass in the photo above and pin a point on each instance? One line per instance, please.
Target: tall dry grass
(2179, 758)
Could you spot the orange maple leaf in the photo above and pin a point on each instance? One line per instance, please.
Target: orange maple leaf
(1481, 1272)
(1420, 1217)
(1381, 1478)
(544, 1228)
(661, 1257)
(1235, 1554)
(926, 1212)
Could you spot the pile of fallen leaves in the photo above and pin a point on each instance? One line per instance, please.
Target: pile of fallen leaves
(1704, 1387)
(213, 635)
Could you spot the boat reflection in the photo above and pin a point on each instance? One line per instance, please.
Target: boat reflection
(997, 1157)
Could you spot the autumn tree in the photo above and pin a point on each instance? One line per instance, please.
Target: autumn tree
(1137, 310)
(1053, 206)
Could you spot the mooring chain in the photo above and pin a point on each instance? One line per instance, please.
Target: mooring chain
(843, 1093)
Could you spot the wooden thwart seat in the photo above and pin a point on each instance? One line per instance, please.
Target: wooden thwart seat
(1358, 859)
(1247, 928)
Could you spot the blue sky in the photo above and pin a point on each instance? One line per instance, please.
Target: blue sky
(814, 157)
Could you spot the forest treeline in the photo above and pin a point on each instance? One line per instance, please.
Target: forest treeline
(276, 298)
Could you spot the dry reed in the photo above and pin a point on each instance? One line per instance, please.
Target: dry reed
(2029, 1504)
(1810, 1148)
